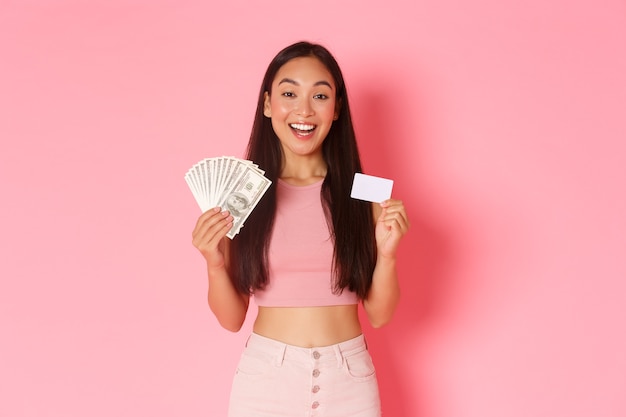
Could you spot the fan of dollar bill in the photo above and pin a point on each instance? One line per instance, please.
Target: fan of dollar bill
(231, 183)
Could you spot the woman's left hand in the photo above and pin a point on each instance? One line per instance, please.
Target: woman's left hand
(391, 226)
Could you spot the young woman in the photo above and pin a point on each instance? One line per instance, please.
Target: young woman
(308, 252)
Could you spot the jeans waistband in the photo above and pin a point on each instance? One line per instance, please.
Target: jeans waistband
(332, 355)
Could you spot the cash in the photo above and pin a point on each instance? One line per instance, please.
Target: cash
(233, 184)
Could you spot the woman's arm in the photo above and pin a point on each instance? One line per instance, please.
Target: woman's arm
(391, 225)
(209, 236)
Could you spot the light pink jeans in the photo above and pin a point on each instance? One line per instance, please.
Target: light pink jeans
(278, 380)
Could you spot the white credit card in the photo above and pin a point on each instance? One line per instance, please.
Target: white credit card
(370, 188)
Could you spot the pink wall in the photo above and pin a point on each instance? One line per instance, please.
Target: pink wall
(503, 124)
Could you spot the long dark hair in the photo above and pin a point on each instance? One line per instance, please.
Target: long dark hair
(350, 221)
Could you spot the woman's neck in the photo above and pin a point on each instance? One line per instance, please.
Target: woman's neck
(304, 171)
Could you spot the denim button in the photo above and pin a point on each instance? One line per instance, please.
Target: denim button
(316, 373)
(316, 355)
(315, 405)
(316, 389)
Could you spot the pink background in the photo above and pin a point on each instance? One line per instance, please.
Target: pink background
(503, 124)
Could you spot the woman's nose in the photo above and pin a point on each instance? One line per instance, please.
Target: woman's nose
(304, 108)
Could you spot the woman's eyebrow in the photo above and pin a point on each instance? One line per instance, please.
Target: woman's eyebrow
(290, 81)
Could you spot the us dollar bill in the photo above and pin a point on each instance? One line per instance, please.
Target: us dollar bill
(242, 195)
(231, 183)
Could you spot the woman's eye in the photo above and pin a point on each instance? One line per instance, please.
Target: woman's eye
(321, 96)
(288, 94)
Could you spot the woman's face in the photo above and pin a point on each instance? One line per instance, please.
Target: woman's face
(302, 106)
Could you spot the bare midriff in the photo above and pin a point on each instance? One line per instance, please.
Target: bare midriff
(309, 326)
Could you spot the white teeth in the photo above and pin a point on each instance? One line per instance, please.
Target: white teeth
(301, 126)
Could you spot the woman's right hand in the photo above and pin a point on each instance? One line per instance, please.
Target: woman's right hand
(209, 233)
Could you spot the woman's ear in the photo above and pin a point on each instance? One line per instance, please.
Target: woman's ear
(337, 109)
(267, 108)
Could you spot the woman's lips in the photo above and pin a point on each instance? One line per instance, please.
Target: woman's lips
(302, 129)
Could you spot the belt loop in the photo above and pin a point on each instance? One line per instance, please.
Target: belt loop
(339, 355)
(280, 355)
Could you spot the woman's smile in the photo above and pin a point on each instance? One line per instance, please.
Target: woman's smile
(302, 130)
